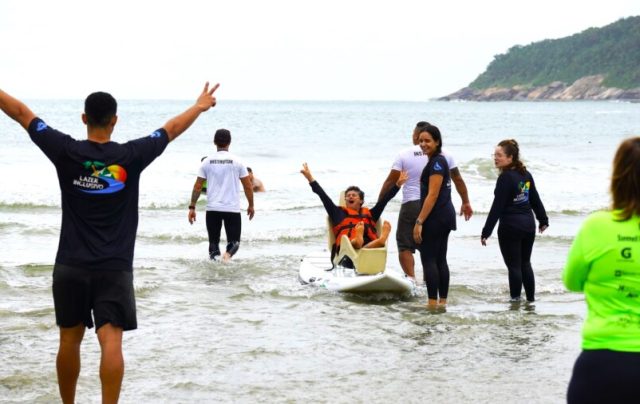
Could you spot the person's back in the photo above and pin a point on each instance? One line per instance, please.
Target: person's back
(223, 171)
(517, 211)
(603, 263)
(92, 274)
(99, 185)
(607, 246)
(516, 200)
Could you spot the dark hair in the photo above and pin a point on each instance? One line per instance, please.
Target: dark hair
(100, 107)
(511, 149)
(419, 126)
(435, 134)
(354, 188)
(222, 138)
(625, 180)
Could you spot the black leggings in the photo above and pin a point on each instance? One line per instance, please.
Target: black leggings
(516, 247)
(603, 376)
(433, 255)
(232, 228)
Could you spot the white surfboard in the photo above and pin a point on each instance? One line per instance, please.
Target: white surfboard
(315, 269)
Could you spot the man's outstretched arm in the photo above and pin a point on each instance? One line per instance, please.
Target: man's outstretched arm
(16, 110)
(180, 123)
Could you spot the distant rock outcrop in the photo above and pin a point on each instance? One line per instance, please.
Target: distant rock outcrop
(595, 64)
(586, 88)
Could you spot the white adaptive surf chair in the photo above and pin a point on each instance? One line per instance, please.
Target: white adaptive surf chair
(366, 261)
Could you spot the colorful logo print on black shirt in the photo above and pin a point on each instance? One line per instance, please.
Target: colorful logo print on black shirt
(100, 178)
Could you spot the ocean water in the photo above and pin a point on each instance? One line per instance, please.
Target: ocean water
(248, 331)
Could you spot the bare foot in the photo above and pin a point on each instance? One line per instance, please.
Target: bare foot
(386, 230)
(437, 307)
(226, 257)
(382, 240)
(358, 241)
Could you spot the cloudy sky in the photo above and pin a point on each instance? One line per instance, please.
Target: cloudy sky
(274, 49)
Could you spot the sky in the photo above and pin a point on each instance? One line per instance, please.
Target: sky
(273, 49)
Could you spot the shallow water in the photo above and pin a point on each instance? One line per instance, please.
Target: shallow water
(248, 331)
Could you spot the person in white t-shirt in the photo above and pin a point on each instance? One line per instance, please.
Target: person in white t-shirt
(224, 173)
(413, 161)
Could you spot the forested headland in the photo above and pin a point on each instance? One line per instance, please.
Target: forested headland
(598, 63)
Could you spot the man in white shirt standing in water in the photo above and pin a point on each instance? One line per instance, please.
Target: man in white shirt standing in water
(223, 172)
(413, 161)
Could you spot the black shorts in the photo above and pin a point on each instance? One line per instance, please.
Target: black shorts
(409, 212)
(109, 294)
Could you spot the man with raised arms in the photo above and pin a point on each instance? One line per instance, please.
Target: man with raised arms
(413, 161)
(93, 271)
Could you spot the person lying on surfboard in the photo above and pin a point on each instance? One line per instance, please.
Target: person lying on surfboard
(356, 222)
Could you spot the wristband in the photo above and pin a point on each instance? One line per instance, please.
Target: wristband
(418, 222)
(191, 207)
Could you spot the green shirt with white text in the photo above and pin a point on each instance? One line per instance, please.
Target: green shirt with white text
(604, 263)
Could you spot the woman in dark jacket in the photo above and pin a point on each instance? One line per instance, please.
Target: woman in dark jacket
(515, 197)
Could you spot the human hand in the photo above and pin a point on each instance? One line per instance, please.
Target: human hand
(542, 228)
(192, 216)
(417, 233)
(466, 210)
(206, 99)
(306, 172)
(404, 176)
(250, 212)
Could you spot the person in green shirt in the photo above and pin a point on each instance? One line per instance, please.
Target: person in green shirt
(604, 264)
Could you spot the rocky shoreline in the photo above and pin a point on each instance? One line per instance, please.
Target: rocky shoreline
(586, 88)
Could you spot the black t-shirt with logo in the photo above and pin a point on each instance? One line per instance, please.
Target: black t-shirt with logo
(99, 184)
(443, 214)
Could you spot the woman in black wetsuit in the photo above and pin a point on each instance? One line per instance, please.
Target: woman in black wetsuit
(436, 218)
(515, 197)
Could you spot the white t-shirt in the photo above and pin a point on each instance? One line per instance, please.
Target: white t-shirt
(223, 171)
(413, 161)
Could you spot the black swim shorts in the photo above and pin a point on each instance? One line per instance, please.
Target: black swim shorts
(77, 292)
(409, 212)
